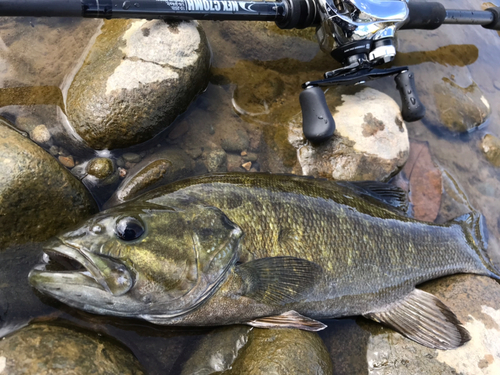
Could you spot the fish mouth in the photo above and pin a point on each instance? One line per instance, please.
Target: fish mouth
(64, 263)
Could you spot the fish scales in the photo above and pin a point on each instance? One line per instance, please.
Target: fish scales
(269, 251)
(370, 255)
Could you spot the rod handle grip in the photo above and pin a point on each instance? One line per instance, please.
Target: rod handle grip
(317, 121)
(413, 109)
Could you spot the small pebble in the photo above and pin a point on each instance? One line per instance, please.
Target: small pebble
(243, 153)
(54, 150)
(67, 161)
(132, 157)
(120, 162)
(100, 167)
(122, 172)
(40, 134)
(247, 165)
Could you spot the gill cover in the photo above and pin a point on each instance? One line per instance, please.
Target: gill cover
(142, 258)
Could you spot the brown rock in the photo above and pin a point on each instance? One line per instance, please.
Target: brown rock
(247, 165)
(38, 197)
(57, 350)
(67, 161)
(425, 182)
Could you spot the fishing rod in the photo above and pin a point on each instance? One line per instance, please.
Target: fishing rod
(360, 34)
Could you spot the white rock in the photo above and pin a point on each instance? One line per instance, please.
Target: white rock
(370, 142)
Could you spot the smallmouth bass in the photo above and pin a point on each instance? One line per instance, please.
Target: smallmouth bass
(269, 251)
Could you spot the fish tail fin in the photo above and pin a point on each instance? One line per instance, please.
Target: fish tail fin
(474, 227)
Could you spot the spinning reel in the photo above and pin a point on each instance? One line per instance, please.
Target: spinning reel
(360, 34)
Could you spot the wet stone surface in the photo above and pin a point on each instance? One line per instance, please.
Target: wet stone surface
(38, 197)
(491, 149)
(137, 78)
(254, 351)
(51, 349)
(370, 140)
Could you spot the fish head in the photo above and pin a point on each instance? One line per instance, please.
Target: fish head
(136, 260)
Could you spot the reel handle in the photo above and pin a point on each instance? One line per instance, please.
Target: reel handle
(412, 108)
(317, 121)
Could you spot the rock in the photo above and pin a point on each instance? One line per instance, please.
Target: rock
(160, 168)
(40, 134)
(216, 161)
(282, 352)
(476, 302)
(425, 182)
(53, 349)
(217, 351)
(247, 165)
(229, 41)
(491, 148)
(137, 78)
(370, 141)
(67, 161)
(234, 163)
(131, 157)
(251, 351)
(100, 167)
(236, 141)
(460, 109)
(38, 196)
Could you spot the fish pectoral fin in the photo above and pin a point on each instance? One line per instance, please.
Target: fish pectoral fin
(277, 280)
(290, 319)
(423, 318)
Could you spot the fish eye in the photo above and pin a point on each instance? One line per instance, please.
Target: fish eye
(129, 228)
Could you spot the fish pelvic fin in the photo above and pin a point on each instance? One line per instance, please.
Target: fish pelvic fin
(289, 319)
(423, 318)
(474, 226)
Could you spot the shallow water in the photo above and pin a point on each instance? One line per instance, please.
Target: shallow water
(255, 86)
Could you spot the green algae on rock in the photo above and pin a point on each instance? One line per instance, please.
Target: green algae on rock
(253, 351)
(38, 196)
(50, 349)
(137, 78)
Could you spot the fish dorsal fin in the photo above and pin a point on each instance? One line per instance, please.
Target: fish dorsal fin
(290, 319)
(382, 192)
(277, 280)
(423, 318)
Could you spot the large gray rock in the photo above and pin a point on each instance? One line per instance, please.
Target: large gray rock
(38, 196)
(370, 141)
(253, 351)
(52, 350)
(137, 78)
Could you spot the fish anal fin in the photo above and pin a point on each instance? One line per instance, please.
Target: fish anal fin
(423, 318)
(278, 280)
(290, 319)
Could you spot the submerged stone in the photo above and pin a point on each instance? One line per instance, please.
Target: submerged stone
(161, 168)
(137, 78)
(252, 351)
(100, 167)
(370, 141)
(53, 349)
(491, 149)
(460, 109)
(38, 196)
